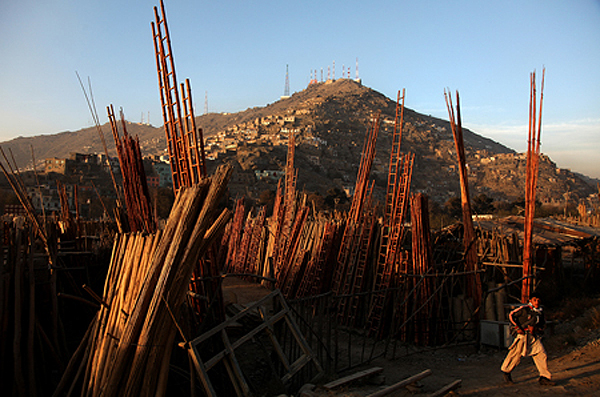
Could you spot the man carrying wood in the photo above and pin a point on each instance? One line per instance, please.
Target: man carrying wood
(528, 322)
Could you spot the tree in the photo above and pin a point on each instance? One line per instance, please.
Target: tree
(518, 206)
(317, 200)
(482, 204)
(335, 197)
(266, 197)
(438, 218)
(453, 208)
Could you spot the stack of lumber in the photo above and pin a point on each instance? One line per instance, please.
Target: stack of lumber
(128, 346)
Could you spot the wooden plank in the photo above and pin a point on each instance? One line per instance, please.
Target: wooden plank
(401, 384)
(274, 341)
(202, 372)
(296, 366)
(353, 377)
(235, 373)
(446, 389)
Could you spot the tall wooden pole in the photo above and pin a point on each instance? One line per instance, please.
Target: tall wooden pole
(474, 289)
(533, 158)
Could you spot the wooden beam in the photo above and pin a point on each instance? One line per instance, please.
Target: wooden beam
(446, 389)
(353, 377)
(401, 384)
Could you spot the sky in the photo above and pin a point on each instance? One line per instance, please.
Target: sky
(235, 54)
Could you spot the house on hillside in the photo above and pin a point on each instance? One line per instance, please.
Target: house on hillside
(55, 164)
(273, 175)
(90, 158)
(47, 197)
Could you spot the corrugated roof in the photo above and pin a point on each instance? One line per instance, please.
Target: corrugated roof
(546, 231)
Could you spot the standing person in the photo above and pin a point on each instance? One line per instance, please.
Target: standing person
(528, 322)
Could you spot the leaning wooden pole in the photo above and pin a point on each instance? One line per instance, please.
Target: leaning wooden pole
(471, 260)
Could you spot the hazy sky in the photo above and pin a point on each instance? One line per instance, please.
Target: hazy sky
(237, 52)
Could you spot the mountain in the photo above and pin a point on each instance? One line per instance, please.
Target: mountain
(330, 121)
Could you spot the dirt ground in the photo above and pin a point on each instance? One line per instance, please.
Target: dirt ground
(573, 359)
(577, 373)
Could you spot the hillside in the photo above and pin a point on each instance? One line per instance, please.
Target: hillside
(330, 121)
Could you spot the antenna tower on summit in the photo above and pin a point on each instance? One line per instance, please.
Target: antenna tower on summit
(286, 92)
(313, 77)
(205, 102)
(357, 78)
(286, 89)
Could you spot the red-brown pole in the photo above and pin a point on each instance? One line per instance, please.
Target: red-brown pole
(471, 259)
(533, 155)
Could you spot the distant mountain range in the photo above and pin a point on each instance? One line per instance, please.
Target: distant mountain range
(330, 121)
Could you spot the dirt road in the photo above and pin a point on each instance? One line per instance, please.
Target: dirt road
(573, 348)
(573, 359)
(576, 372)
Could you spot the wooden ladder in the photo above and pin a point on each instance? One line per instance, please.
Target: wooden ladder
(186, 152)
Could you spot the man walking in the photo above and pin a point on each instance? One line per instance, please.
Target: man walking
(528, 322)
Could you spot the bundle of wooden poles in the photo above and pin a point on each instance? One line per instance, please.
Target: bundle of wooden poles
(135, 185)
(127, 348)
(474, 288)
(533, 159)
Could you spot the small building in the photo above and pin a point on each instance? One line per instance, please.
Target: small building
(153, 181)
(273, 175)
(55, 164)
(560, 248)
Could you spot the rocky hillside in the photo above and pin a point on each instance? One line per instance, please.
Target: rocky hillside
(330, 121)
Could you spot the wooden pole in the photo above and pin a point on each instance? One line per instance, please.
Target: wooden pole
(31, 322)
(533, 154)
(17, 356)
(471, 259)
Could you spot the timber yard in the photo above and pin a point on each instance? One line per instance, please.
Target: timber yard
(227, 299)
